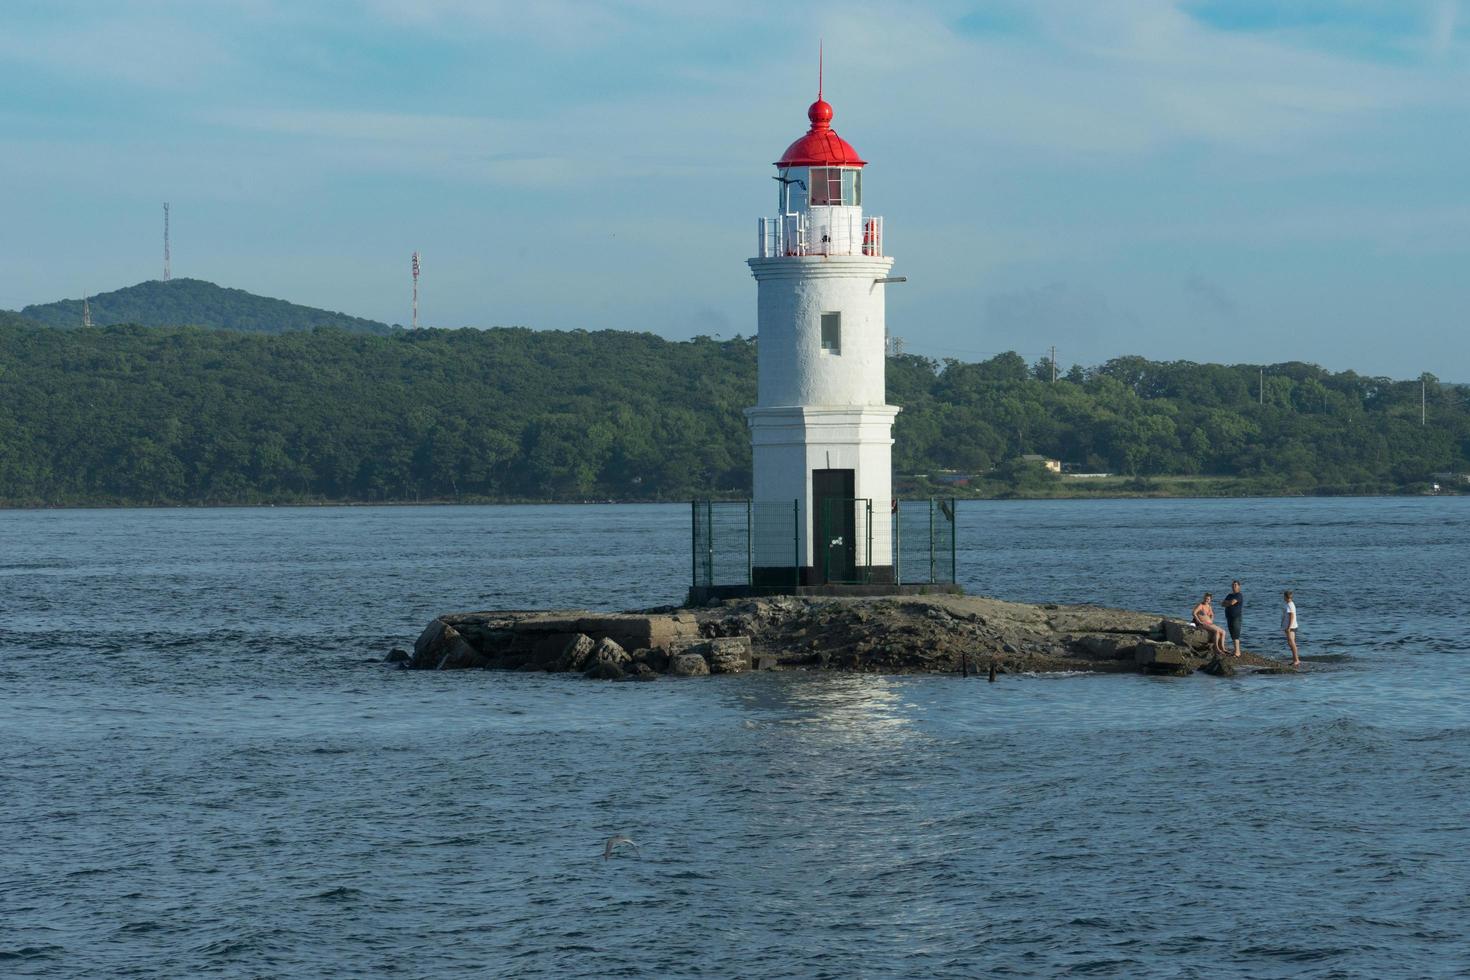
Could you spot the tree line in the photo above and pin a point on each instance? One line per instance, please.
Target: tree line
(131, 414)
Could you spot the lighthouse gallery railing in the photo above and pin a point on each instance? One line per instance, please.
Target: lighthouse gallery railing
(793, 234)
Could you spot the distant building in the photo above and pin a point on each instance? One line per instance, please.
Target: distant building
(1053, 465)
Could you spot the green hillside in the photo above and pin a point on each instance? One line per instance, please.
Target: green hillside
(9, 318)
(196, 303)
(184, 415)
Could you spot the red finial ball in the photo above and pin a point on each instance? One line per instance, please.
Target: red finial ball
(820, 114)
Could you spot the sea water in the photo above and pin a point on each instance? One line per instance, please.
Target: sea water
(206, 769)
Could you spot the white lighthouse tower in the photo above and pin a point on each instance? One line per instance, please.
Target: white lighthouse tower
(821, 431)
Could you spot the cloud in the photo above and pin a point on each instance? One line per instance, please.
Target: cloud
(1120, 79)
(1015, 143)
(1442, 27)
(135, 50)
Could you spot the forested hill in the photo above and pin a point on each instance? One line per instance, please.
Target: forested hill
(164, 415)
(9, 318)
(196, 303)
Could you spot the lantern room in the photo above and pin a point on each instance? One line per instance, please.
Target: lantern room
(819, 202)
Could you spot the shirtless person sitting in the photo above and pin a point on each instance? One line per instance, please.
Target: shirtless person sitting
(1204, 618)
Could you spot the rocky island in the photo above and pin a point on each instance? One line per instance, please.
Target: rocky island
(884, 635)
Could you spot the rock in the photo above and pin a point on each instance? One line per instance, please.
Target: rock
(608, 651)
(441, 647)
(688, 665)
(639, 672)
(1182, 634)
(630, 630)
(724, 654)
(1111, 647)
(576, 651)
(396, 656)
(604, 670)
(728, 654)
(657, 660)
(1219, 668)
(429, 637)
(457, 654)
(1150, 653)
(890, 635)
(1098, 619)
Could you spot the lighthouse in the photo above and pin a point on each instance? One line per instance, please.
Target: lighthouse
(822, 431)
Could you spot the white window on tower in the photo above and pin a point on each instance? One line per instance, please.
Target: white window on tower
(832, 333)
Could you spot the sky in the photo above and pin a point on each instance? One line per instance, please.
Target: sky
(1210, 180)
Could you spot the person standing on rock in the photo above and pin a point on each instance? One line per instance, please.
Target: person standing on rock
(1288, 626)
(1234, 606)
(1204, 618)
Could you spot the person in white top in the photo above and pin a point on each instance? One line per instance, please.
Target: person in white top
(1288, 626)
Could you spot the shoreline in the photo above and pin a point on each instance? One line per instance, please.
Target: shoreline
(528, 502)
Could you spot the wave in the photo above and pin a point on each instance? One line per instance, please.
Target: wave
(31, 953)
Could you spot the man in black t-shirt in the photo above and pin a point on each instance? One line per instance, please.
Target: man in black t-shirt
(1234, 606)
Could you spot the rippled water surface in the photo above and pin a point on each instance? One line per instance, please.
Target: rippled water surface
(206, 770)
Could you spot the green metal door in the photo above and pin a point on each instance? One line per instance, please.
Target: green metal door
(834, 525)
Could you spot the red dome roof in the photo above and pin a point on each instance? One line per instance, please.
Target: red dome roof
(820, 147)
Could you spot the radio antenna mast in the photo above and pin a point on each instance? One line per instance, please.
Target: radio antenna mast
(415, 289)
(86, 313)
(167, 275)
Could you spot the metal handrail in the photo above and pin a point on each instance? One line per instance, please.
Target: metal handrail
(791, 235)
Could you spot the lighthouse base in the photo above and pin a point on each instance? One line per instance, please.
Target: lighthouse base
(833, 465)
(805, 576)
(703, 595)
(743, 548)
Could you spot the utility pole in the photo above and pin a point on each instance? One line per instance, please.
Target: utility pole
(167, 275)
(1261, 396)
(1053, 363)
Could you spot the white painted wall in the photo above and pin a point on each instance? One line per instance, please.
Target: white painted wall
(788, 443)
(816, 409)
(793, 293)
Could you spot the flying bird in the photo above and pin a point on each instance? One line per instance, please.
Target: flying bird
(616, 841)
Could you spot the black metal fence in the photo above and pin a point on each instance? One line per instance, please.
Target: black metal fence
(924, 540)
(722, 541)
(758, 542)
